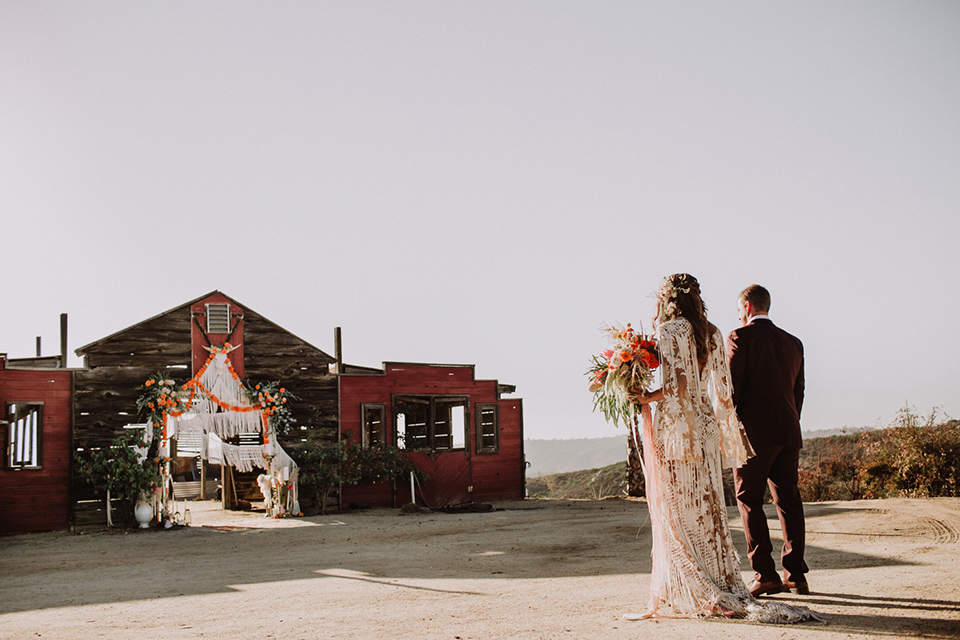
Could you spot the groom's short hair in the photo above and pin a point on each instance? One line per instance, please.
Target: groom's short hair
(758, 296)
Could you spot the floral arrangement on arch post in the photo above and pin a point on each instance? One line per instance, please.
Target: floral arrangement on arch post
(629, 364)
(161, 396)
(272, 399)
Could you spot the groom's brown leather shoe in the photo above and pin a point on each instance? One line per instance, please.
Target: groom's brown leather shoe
(800, 587)
(758, 588)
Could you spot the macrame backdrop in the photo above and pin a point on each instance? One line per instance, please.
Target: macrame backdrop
(216, 410)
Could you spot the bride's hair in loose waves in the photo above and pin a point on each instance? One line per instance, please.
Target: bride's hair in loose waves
(679, 297)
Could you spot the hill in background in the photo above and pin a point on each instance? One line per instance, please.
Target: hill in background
(547, 457)
(915, 458)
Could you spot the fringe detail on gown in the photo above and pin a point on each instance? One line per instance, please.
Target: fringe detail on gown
(696, 568)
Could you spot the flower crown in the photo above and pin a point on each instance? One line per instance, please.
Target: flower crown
(670, 290)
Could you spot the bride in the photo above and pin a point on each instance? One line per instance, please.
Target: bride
(696, 569)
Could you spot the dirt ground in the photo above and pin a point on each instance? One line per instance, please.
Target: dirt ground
(533, 569)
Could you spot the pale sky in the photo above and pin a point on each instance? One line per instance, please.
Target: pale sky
(489, 182)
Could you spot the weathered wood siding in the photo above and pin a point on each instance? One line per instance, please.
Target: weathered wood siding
(273, 353)
(108, 388)
(38, 499)
(498, 476)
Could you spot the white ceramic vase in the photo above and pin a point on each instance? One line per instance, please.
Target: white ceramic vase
(143, 512)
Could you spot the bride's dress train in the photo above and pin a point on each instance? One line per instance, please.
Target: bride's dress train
(696, 569)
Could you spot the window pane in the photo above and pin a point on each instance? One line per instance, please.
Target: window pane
(449, 423)
(441, 428)
(435, 423)
(487, 428)
(459, 422)
(23, 435)
(413, 416)
(372, 425)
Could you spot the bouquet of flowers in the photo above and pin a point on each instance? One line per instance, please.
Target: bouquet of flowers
(616, 371)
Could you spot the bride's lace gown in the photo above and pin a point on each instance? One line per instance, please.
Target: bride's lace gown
(696, 569)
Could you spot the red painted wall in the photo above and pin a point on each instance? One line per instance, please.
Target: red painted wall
(38, 499)
(200, 354)
(503, 476)
(494, 477)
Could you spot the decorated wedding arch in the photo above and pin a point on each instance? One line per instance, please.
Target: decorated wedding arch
(214, 406)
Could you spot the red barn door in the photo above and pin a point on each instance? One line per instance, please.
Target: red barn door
(449, 482)
(433, 430)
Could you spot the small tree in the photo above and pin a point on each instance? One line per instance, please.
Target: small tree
(385, 464)
(636, 483)
(119, 472)
(325, 465)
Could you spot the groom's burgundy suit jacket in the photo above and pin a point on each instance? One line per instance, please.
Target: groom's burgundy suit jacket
(766, 369)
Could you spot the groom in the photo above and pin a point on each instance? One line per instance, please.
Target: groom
(766, 368)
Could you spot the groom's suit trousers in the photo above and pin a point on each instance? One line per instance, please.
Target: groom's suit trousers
(775, 467)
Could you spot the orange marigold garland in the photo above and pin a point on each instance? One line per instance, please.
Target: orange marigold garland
(162, 397)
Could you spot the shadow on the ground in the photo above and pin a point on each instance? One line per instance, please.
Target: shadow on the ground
(590, 540)
(886, 616)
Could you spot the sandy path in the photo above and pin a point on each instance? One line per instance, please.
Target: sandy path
(534, 569)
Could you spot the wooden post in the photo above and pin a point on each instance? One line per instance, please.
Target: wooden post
(337, 346)
(226, 482)
(63, 341)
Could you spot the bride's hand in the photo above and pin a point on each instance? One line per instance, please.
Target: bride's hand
(646, 397)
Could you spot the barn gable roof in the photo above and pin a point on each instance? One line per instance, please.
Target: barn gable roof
(93, 345)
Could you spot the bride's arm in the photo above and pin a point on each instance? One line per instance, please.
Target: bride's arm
(646, 397)
(656, 395)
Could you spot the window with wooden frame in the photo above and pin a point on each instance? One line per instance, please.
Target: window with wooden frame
(373, 430)
(430, 423)
(218, 318)
(488, 432)
(24, 434)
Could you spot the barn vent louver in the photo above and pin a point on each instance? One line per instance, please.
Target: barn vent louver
(218, 318)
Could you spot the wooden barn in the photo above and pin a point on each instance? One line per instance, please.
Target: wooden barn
(36, 400)
(178, 342)
(458, 430)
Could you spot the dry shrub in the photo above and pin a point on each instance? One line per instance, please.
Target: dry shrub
(913, 457)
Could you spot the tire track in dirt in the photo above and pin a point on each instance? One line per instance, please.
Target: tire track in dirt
(943, 532)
